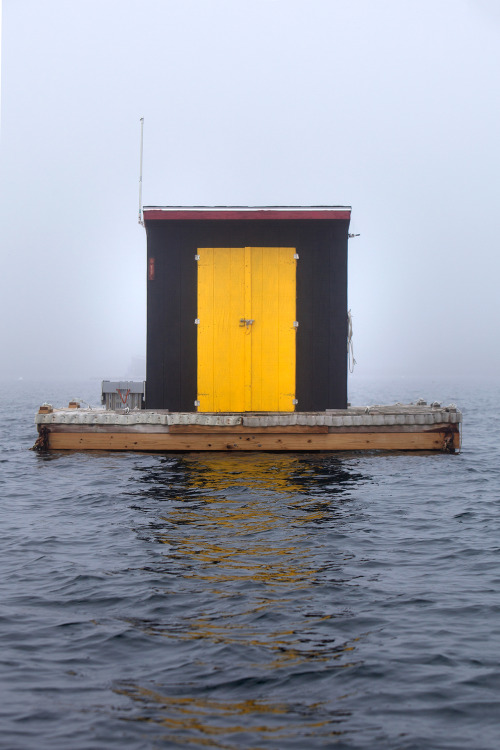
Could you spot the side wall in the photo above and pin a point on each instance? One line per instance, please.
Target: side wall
(321, 371)
(171, 311)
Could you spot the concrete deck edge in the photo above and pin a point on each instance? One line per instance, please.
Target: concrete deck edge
(374, 416)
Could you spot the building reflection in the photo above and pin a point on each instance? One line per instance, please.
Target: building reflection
(254, 560)
(231, 724)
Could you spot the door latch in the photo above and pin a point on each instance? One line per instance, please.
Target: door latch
(246, 322)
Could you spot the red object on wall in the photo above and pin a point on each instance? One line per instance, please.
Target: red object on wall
(120, 393)
(151, 269)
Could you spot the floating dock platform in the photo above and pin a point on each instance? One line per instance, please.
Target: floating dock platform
(399, 427)
(247, 319)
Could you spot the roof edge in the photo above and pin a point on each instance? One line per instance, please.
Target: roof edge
(245, 212)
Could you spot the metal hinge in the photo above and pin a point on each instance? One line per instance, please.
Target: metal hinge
(295, 323)
(295, 401)
(197, 322)
(197, 257)
(196, 403)
(296, 256)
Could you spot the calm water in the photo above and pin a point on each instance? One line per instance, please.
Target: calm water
(251, 601)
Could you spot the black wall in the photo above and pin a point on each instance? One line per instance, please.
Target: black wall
(171, 369)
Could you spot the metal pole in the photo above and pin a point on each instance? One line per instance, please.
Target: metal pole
(141, 219)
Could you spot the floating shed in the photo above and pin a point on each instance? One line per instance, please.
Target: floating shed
(246, 345)
(247, 309)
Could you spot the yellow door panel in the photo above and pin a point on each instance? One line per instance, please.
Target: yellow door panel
(249, 365)
(221, 346)
(273, 333)
(247, 328)
(287, 330)
(205, 346)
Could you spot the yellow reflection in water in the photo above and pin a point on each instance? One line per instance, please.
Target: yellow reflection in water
(261, 471)
(242, 535)
(255, 538)
(200, 721)
(277, 649)
(249, 516)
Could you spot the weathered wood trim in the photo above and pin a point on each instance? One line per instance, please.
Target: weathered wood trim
(190, 214)
(245, 430)
(127, 429)
(396, 428)
(239, 429)
(413, 441)
(182, 429)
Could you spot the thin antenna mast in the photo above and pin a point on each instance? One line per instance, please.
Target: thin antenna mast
(141, 217)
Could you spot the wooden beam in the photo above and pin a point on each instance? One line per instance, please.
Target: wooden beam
(176, 429)
(245, 430)
(426, 441)
(168, 214)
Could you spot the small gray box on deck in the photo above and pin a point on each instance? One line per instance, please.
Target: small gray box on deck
(122, 394)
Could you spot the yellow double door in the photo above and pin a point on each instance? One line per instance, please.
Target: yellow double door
(246, 328)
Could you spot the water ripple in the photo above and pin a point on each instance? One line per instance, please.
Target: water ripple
(256, 601)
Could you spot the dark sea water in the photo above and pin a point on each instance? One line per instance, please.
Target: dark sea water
(251, 601)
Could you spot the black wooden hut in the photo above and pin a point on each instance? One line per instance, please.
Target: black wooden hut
(246, 308)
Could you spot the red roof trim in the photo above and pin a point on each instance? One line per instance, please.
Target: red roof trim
(260, 213)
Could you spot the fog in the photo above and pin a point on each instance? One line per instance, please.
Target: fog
(391, 107)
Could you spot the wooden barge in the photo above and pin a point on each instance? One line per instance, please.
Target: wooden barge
(397, 427)
(247, 341)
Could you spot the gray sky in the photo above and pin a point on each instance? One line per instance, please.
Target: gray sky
(389, 106)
